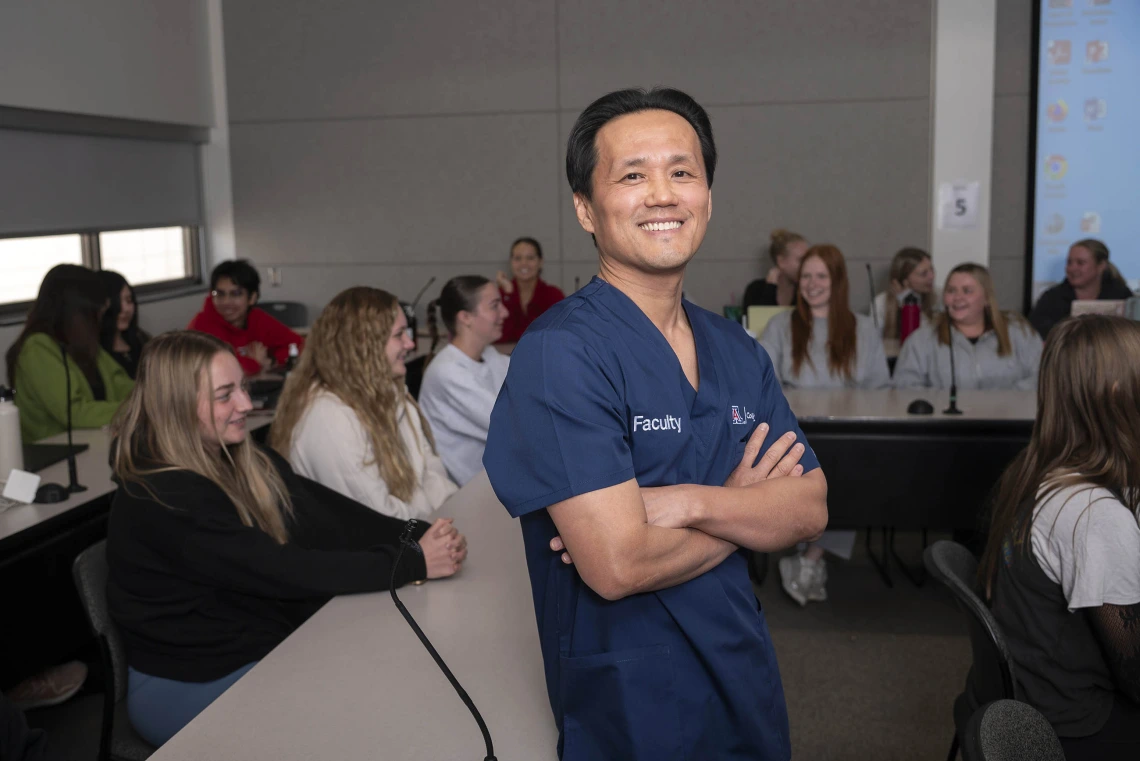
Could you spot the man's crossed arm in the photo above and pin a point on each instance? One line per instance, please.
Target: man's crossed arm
(625, 539)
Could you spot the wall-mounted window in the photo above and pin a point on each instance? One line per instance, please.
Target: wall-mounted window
(152, 259)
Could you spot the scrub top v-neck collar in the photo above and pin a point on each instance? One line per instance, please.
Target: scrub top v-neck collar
(703, 402)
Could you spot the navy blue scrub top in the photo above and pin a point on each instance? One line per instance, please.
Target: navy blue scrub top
(595, 396)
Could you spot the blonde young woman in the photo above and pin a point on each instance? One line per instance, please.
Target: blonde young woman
(217, 550)
(912, 272)
(992, 349)
(1062, 566)
(346, 419)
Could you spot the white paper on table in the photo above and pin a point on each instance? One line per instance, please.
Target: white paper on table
(21, 486)
(958, 205)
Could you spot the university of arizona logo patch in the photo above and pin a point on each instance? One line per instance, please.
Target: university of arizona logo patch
(741, 418)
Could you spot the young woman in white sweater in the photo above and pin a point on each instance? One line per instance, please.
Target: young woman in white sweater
(462, 382)
(345, 418)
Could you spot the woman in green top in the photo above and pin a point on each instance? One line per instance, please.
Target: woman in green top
(66, 313)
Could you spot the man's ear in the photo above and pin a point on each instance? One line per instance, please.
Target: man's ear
(584, 212)
(253, 298)
(710, 206)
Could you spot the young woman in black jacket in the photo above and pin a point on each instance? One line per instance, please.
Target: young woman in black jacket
(217, 549)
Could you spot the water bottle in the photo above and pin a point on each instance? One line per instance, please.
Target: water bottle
(910, 317)
(11, 446)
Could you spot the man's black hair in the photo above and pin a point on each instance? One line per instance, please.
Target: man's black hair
(582, 150)
(240, 271)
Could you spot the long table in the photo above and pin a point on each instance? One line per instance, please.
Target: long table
(355, 682)
(890, 469)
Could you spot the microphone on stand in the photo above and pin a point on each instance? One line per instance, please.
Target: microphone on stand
(576, 280)
(953, 408)
(410, 309)
(49, 493)
(405, 542)
(871, 285)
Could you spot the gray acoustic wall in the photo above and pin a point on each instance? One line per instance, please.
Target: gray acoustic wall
(382, 144)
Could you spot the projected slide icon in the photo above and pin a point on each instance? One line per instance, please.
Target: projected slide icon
(1054, 224)
(1095, 109)
(1060, 52)
(1096, 51)
(1057, 111)
(1090, 222)
(1056, 167)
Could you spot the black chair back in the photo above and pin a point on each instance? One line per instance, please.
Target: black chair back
(118, 740)
(293, 314)
(1009, 730)
(992, 673)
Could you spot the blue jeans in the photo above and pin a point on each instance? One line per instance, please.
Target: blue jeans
(159, 707)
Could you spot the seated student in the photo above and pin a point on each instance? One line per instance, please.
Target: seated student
(822, 344)
(120, 335)
(1089, 276)
(462, 382)
(1062, 566)
(786, 250)
(66, 313)
(345, 418)
(992, 349)
(525, 295)
(228, 313)
(217, 550)
(912, 272)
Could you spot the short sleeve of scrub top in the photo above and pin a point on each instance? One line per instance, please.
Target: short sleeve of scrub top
(565, 436)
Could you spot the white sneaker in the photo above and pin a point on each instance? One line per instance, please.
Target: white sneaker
(795, 577)
(817, 588)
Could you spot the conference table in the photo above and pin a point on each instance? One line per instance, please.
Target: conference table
(355, 682)
(894, 470)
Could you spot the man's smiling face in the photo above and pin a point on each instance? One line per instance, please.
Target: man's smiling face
(651, 201)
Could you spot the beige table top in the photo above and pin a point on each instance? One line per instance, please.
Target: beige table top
(93, 471)
(891, 404)
(354, 682)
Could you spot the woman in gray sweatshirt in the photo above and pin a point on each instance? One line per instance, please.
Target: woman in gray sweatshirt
(992, 349)
(821, 343)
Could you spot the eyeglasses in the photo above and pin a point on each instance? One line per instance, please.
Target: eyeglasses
(237, 293)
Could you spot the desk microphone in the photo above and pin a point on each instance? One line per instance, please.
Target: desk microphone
(405, 542)
(49, 493)
(419, 295)
(953, 408)
(576, 281)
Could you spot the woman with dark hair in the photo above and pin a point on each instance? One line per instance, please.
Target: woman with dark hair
(120, 334)
(462, 382)
(786, 250)
(823, 344)
(524, 294)
(1061, 569)
(65, 319)
(1089, 276)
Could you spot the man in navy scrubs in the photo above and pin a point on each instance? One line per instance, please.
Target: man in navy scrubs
(628, 439)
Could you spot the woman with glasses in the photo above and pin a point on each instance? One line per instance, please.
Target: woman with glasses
(230, 313)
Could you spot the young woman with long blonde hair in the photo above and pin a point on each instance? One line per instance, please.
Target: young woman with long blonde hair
(992, 349)
(912, 272)
(1062, 565)
(345, 417)
(217, 550)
